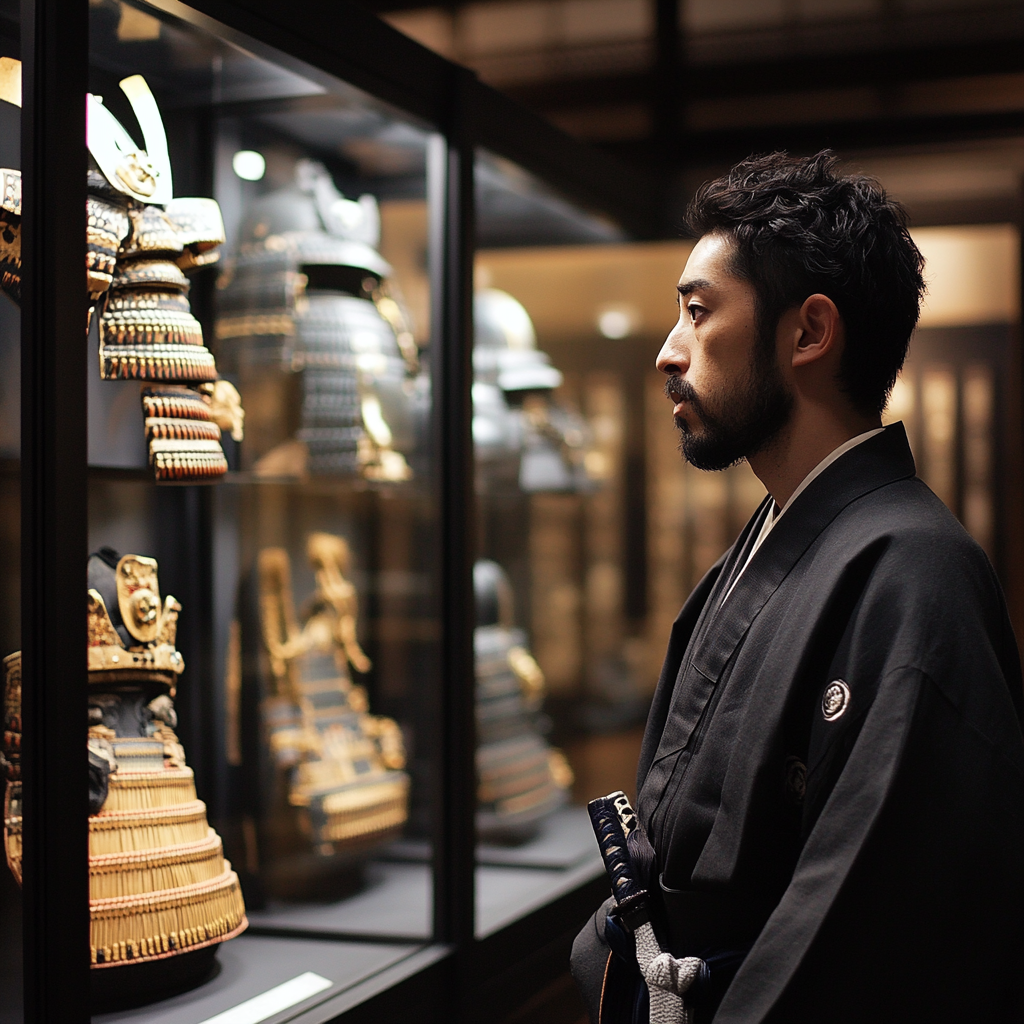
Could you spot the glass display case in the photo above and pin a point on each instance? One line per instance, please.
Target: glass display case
(249, 442)
(315, 691)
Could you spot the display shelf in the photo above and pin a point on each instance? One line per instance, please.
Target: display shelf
(503, 895)
(564, 839)
(252, 965)
(394, 903)
(396, 900)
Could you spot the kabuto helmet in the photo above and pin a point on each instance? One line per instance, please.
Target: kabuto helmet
(305, 296)
(518, 427)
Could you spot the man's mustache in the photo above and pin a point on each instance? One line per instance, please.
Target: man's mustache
(676, 388)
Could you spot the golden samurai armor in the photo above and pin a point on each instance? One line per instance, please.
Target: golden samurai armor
(341, 767)
(520, 778)
(159, 884)
(140, 242)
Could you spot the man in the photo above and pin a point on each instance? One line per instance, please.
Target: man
(832, 776)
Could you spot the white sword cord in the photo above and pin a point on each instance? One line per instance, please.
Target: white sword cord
(668, 979)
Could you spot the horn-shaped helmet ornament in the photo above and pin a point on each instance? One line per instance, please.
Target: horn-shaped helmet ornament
(140, 241)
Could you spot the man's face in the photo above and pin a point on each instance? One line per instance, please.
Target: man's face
(730, 396)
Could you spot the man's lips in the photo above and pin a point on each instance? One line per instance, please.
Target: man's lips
(679, 404)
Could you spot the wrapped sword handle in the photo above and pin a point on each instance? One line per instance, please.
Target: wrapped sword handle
(613, 819)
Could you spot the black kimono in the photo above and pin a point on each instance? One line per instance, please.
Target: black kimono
(832, 775)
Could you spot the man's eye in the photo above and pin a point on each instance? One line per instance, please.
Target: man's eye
(694, 310)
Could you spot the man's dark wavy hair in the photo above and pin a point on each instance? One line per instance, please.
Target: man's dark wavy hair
(801, 227)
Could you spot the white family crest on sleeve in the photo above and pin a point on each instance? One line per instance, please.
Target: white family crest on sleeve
(835, 700)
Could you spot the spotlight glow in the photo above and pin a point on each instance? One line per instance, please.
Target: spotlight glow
(249, 165)
(615, 323)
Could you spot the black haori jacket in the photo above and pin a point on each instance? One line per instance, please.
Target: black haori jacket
(840, 744)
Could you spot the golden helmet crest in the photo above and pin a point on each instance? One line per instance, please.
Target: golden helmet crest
(152, 624)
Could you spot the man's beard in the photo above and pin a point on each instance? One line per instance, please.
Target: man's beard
(734, 426)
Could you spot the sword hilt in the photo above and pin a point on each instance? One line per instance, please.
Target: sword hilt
(613, 819)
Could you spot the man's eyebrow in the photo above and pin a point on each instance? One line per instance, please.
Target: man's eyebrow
(689, 287)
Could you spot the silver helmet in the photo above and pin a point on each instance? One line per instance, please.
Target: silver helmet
(306, 297)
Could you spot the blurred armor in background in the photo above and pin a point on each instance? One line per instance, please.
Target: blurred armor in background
(520, 777)
(522, 436)
(338, 790)
(323, 351)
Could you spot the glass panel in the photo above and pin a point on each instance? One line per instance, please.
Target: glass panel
(558, 424)
(11, 1003)
(290, 376)
(586, 564)
(588, 571)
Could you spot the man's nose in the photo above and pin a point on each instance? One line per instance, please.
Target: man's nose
(673, 358)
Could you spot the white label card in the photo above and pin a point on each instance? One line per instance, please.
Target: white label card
(274, 1000)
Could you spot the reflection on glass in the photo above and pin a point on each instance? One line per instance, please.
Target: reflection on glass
(518, 427)
(521, 779)
(533, 451)
(554, 419)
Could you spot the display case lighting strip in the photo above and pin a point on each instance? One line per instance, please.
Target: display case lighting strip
(274, 1000)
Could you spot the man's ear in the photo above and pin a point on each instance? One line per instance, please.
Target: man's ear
(819, 330)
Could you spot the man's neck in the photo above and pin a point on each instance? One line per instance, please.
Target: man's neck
(812, 433)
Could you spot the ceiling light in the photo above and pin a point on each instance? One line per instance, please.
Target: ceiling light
(615, 322)
(249, 165)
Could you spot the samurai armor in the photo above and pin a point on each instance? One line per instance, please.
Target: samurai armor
(10, 233)
(159, 884)
(147, 330)
(520, 777)
(138, 242)
(341, 767)
(10, 762)
(306, 321)
(106, 228)
(522, 436)
(184, 440)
